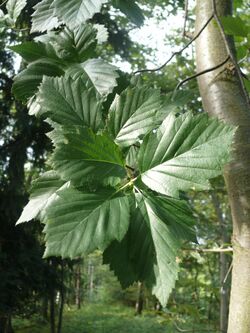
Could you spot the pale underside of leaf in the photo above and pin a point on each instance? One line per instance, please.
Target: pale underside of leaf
(44, 18)
(14, 8)
(102, 33)
(43, 193)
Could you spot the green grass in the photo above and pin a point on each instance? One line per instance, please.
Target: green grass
(96, 318)
(111, 319)
(100, 319)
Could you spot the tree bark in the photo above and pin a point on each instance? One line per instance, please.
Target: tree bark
(223, 96)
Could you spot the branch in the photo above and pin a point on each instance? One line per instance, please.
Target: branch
(177, 52)
(201, 73)
(229, 51)
(3, 3)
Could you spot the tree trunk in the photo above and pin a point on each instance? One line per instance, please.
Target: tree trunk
(139, 301)
(60, 314)
(91, 280)
(5, 325)
(45, 304)
(222, 96)
(78, 277)
(223, 265)
(52, 312)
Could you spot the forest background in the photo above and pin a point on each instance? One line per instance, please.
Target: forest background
(34, 292)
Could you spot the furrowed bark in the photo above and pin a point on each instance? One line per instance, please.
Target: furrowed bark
(223, 97)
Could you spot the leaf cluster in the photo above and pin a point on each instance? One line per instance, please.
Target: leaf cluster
(117, 168)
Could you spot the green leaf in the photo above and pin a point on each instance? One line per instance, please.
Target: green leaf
(14, 8)
(26, 83)
(136, 253)
(100, 73)
(152, 242)
(76, 45)
(32, 51)
(43, 193)
(78, 222)
(168, 219)
(117, 256)
(247, 85)
(176, 214)
(56, 135)
(44, 17)
(69, 102)
(86, 157)
(166, 248)
(131, 10)
(235, 26)
(131, 157)
(184, 153)
(132, 114)
(77, 12)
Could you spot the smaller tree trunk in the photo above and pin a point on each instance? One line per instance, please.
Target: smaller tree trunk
(78, 277)
(52, 311)
(91, 280)
(45, 306)
(5, 324)
(139, 302)
(60, 314)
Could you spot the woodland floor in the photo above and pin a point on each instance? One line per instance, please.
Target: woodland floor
(104, 319)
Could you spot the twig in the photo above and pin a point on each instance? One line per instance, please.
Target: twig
(229, 51)
(177, 52)
(228, 272)
(3, 3)
(20, 30)
(245, 76)
(201, 73)
(130, 168)
(214, 250)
